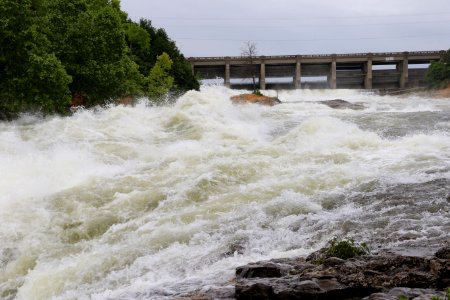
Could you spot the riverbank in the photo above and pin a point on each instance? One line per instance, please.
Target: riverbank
(422, 92)
(383, 277)
(444, 93)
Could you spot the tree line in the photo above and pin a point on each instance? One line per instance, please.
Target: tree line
(54, 52)
(438, 73)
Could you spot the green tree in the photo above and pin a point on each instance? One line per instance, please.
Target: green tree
(438, 73)
(89, 39)
(181, 70)
(137, 36)
(159, 81)
(446, 57)
(31, 77)
(54, 50)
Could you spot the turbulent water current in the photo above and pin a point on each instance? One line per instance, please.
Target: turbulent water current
(157, 202)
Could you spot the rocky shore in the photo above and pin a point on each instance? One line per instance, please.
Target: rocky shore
(373, 277)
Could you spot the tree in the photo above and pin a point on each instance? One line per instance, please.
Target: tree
(159, 81)
(446, 57)
(55, 50)
(31, 77)
(181, 70)
(249, 52)
(88, 37)
(137, 36)
(438, 73)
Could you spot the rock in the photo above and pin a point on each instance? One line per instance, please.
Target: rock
(252, 98)
(333, 261)
(235, 248)
(126, 100)
(262, 270)
(409, 293)
(77, 100)
(208, 293)
(373, 277)
(342, 104)
(443, 253)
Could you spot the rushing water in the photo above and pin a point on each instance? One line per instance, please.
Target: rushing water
(155, 202)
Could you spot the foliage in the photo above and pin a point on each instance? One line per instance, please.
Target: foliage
(137, 36)
(159, 81)
(31, 77)
(438, 74)
(90, 42)
(446, 57)
(447, 296)
(346, 249)
(52, 50)
(181, 70)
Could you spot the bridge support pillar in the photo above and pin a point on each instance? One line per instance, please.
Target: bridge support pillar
(368, 78)
(262, 77)
(332, 84)
(227, 75)
(403, 68)
(298, 76)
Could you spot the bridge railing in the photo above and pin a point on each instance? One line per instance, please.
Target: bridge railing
(221, 58)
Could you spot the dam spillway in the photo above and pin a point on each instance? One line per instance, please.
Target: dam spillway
(357, 70)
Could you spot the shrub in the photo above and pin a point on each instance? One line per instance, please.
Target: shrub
(346, 249)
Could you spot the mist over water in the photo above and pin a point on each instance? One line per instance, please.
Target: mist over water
(153, 202)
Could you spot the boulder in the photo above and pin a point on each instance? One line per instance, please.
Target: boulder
(252, 98)
(371, 276)
(342, 104)
(126, 100)
(443, 253)
(77, 100)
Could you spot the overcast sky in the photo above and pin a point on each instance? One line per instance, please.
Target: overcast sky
(290, 27)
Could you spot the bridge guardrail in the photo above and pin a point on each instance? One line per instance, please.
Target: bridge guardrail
(410, 54)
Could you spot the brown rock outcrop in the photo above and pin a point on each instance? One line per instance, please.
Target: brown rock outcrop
(126, 100)
(77, 100)
(252, 98)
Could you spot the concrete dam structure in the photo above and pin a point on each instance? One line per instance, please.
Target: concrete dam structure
(357, 70)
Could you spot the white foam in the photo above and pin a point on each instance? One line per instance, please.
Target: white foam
(153, 201)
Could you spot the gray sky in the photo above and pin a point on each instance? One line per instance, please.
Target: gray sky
(283, 27)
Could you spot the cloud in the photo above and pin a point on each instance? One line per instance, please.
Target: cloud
(210, 28)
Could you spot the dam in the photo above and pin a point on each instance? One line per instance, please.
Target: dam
(357, 70)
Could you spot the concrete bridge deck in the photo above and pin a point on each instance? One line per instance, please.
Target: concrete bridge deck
(354, 70)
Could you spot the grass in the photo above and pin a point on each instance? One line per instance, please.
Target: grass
(346, 248)
(257, 93)
(447, 296)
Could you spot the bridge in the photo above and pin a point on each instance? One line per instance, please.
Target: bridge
(357, 70)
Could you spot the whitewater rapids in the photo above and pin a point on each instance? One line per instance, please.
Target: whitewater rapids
(150, 202)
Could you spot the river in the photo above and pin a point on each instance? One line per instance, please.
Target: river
(150, 202)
